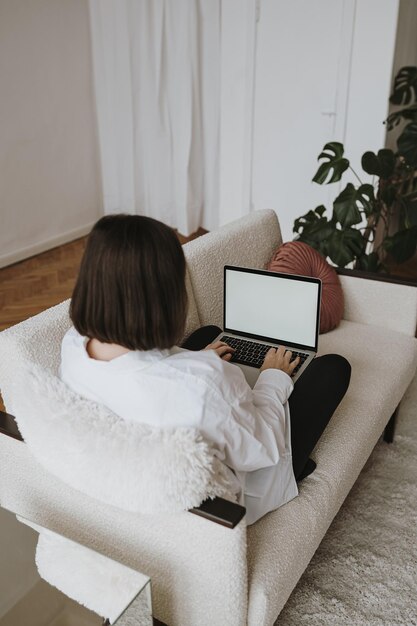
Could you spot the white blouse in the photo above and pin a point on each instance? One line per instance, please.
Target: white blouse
(249, 428)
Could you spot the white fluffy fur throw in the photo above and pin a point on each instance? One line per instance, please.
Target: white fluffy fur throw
(125, 464)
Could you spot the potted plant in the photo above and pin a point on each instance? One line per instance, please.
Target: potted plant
(360, 230)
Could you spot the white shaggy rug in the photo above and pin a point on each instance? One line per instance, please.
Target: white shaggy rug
(365, 570)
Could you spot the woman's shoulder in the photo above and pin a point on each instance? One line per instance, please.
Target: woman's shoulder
(72, 338)
(72, 335)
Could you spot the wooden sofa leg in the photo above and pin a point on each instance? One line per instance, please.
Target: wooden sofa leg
(390, 427)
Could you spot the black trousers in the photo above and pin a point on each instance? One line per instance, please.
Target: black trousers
(314, 399)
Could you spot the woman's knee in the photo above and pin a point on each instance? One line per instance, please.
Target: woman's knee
(201, 337)
(336, 366)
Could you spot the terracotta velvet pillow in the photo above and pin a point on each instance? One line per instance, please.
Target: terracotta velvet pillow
(296, 257)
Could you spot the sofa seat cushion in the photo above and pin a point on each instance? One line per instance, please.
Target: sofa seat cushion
(383, 364)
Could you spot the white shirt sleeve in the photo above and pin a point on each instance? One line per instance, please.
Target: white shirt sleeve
(256, 428)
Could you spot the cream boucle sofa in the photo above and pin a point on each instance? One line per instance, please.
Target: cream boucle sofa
(202, 573)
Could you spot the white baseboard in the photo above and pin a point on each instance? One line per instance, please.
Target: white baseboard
(25, 253)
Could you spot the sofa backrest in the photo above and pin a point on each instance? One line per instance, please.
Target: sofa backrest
(247, 242)
(38, 340)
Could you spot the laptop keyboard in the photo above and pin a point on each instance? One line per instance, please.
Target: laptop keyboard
(253, 354)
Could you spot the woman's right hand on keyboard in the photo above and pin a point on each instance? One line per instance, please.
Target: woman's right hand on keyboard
(280, 360)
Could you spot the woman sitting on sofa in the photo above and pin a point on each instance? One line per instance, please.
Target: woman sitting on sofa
(129, 309)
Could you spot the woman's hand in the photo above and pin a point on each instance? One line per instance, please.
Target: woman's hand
(224, 351)
(280, 360)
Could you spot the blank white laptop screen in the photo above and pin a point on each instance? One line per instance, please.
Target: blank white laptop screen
(271, 306)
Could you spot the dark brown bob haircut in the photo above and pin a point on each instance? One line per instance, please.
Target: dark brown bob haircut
(131, 285)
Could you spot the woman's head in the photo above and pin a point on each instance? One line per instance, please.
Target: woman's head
(131, 285)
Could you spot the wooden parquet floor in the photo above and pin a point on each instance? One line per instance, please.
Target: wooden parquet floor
(35, 284)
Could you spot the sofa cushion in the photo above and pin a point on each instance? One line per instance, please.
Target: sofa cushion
(383, 364)
(296, 257)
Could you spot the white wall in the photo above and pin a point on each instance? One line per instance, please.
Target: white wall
(323, 72)
(296, 75)
(18, 573)
(370, 78)
(49, 173)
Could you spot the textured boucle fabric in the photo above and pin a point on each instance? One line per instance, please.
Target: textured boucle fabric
(296, 257)
(364, 572)
(193, 320)
(197, 568)
(378, 303)
(247, 242)
(146, 469)
(282, 543)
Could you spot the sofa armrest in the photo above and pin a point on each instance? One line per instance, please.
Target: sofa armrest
(218, 510)
(221, 512)
(380, 300)
(9, 427)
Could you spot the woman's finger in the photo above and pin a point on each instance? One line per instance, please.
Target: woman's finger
(215, 345)
(288, 356)
(294, 363)
(225, 349)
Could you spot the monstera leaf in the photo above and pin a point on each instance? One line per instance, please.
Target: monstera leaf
(315, 229)
(368, 262)
(334, 164)
(346, 206)
(407, 144)
(311, 220)
(405, 86)
(345, 245)
(394, 194)
(381, 164)
(402, 245)
(409, 113)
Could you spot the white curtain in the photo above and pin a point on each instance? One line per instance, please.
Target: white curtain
(157, 83)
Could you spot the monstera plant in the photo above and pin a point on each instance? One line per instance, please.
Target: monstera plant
(373, 224)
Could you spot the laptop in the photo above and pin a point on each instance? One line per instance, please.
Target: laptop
(264, 309)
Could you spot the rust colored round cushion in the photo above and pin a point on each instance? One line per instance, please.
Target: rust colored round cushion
(296, 257)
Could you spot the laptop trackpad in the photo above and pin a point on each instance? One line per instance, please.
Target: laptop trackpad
(251, 373)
